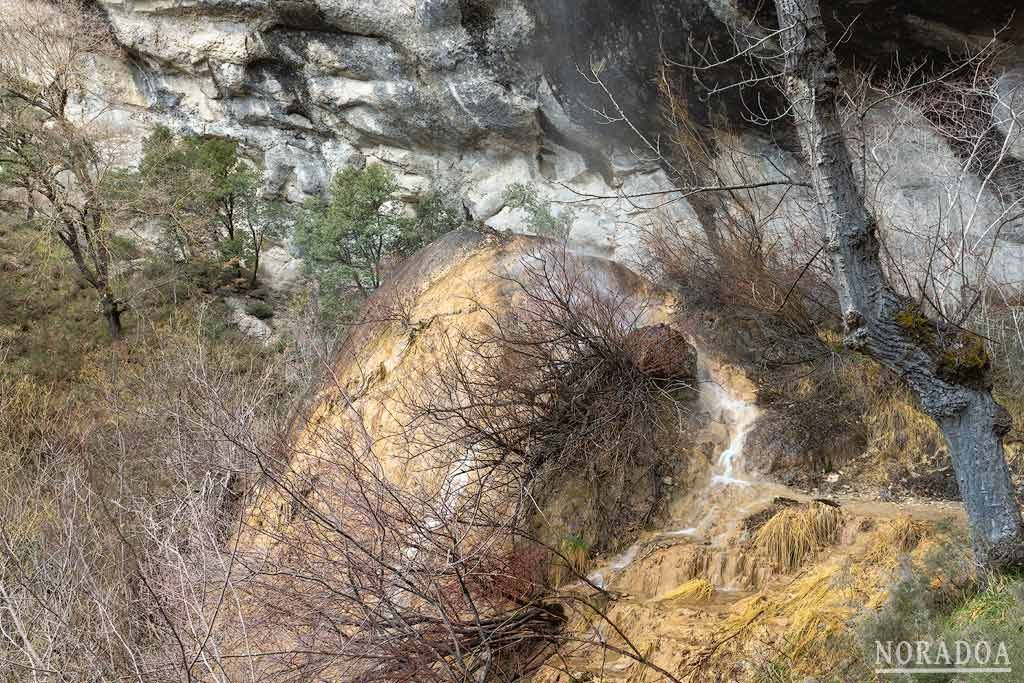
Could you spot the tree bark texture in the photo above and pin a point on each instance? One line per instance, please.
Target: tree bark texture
(947, 369)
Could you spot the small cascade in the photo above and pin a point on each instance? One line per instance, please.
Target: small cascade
(731, 417)
(739, 416)
(616, 564)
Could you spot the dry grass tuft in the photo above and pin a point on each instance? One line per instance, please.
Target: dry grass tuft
(694, 590)
(825, 521)
(899, 432)
(574, 559)
(898, 537)
(793, 534)
(818, 607)
(819, 610)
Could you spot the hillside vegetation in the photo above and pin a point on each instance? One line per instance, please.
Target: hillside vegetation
(352, 345)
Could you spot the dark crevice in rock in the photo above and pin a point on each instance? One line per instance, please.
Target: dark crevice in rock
(295, 14)
(142, 70)
(359, 57)
(478, 18)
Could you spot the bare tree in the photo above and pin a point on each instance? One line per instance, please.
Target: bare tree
(50, 160)
(946, 367)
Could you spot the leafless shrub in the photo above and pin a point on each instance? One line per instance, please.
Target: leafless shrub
(369, 580)
(115, 559)
(569, 382)
(426, 564)
(757, 256)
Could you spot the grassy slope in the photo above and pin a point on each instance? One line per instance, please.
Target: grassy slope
(48, 316)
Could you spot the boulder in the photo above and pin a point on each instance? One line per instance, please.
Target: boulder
(663, 352)
(279, 270)
(248, 324)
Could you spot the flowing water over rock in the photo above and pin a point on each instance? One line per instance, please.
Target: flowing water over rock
(708, 544)
(712, 512)
(739, 415)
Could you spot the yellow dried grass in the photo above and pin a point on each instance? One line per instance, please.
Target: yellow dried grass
(819, 608)
(899, 431)
(694, 590)
(574, 559)
(895, 539)
(794, 533)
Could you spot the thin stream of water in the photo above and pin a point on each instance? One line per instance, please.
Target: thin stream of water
(739, 416)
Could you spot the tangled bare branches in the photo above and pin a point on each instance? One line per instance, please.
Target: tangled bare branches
(427, 562)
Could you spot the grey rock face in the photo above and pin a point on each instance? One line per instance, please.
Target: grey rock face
(463, 95)
(1008, 109)
(444, 91)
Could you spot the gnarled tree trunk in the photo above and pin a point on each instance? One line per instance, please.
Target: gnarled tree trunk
(946, 369)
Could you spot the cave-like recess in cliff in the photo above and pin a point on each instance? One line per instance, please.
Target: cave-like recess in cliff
(628, 38)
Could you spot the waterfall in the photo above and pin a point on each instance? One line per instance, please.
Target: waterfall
(739, 416)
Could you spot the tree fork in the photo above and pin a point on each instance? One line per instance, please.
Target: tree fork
(885, 325)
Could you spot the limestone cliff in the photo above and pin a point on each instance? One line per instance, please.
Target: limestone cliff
(470, 95)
